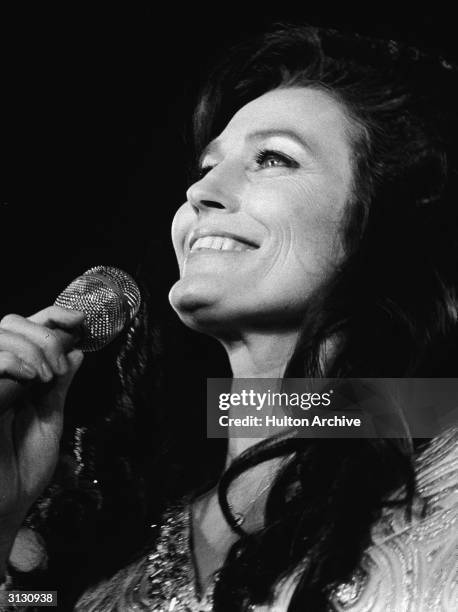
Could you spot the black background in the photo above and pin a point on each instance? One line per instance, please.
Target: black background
(95, 112)
(95, 107)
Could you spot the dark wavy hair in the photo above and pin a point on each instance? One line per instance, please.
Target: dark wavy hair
(392, 305)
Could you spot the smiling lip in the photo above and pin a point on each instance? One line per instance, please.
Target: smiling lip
(219, 240)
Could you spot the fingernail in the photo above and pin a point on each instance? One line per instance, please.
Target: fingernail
(62, 364)
(46, 372)
(28, 370)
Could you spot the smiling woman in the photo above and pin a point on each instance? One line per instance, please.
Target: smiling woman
(277, 180)
(308, 246)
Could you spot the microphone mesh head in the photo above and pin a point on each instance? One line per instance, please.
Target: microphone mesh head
(110, 299)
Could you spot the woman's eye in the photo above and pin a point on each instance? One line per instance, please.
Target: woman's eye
(274, 159)
(265, 158)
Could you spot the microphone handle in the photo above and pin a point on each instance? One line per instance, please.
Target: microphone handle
(12, 390)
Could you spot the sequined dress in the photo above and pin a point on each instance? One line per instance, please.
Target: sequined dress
(410, 567)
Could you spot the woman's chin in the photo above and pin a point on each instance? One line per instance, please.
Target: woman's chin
(204, 306)
(194, 301)
(190, 294)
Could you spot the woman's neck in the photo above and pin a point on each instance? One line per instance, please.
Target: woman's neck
(256, 355)
(261, 355)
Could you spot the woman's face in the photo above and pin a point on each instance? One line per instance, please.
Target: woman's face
(260, 230)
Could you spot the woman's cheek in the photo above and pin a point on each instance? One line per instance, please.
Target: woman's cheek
(180, 230)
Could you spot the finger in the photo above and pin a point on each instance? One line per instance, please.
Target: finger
(70, 321)
(52, 408)
(75, 359)
(50, 342)
(27, 351)
(13, 366)
(56, 316)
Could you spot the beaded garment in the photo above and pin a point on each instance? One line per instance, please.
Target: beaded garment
(410, 567)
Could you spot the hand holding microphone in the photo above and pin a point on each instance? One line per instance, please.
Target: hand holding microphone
(39, 357)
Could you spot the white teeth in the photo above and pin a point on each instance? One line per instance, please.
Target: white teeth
(219, 243)
(228, 244)
(205, 243)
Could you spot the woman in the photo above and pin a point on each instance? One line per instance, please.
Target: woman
(306, 247)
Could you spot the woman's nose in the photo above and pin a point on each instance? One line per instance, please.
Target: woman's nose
(218, 189)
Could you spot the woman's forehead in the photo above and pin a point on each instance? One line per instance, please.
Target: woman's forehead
(310, 117)
(306, 114)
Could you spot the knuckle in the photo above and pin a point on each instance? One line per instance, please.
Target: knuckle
(10, 320)
(7, 360)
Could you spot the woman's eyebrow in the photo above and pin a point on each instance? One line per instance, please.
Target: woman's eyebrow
(271, 132)
(215, 145)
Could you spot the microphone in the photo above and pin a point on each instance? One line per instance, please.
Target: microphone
(110, 299)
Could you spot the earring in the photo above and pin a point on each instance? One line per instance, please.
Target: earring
(78, 449)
